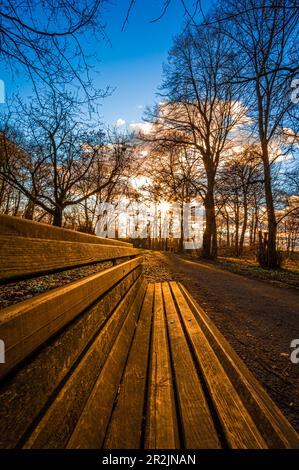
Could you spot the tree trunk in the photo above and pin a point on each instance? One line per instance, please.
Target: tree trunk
(209, 245)
(57, 217)
(256, 223)
(251, 228)
(181, 242)
(17, 203)
(244, 227)
(2, 191)
(237, 223)
(220, 231)
(227, 231)
(29, 211)
(271, 260)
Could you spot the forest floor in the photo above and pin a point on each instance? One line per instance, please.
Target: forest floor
(258, 318)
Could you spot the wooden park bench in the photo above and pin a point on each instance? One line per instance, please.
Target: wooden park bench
(109, 361)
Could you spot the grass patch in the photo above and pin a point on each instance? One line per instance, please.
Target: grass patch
(288, 276)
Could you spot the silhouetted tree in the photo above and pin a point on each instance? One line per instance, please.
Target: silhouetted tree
(265, 35)
(200, 110)
(60, 152)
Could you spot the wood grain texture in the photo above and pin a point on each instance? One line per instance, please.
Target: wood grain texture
(28, 391)
(275, 428)
(91, 428)
(17, 227)
(238, 427)
(125, 427)
(161, 422)
(59, 421)
(88, 384)
(28, 324)
(23, 257)
(198, 430)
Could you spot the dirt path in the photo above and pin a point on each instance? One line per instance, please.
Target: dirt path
(259, 320)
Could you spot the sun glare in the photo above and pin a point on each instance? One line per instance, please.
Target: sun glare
(164, 207)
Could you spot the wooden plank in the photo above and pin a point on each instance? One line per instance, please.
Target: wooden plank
(23, 257)
(238, 427)
(125, 427)
(17, 227)
(198, 430)
(27, 325)
(60, 419)
(275, 428)
(91, 428)
(161, 424)
(28, 391)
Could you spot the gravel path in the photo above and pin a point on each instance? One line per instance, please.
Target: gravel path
(155, 269)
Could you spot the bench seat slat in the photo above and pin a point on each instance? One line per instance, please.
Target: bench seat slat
(60, 419)
(91, 427)
(198, 428)
(161, 422)
(24, 257)
(17, 227)
(273, 425)
(108, 361)
(28, 324)
(45, 371)
(238, 426)
(128, 412)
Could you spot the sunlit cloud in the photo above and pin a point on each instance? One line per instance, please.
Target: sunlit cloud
(120, 122)
(144, 127)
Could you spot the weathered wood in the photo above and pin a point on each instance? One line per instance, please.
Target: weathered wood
(60, 419)
(91, 428)
(17, 227)
(238, 427)
(27, 325)
(28, 391)
(274, 427)
(125, 427)
(23, 257)
(198, 431)
(83, 353)
(161, 424)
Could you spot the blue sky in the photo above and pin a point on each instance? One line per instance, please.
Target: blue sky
(128, 61)
(132, 63)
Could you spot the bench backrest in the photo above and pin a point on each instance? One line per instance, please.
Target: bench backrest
(29, 249)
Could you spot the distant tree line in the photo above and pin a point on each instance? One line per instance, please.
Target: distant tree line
(57, 161)
(225, 130)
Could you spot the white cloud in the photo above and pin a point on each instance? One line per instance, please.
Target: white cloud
(140, 106)
(120, 122)
(144, 127)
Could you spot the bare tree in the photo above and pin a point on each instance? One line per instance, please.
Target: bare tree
(200, 110)
(174, 177)
(46, 39)
(60, 152)
(266, 39)
(289, 227)
(239, 182)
